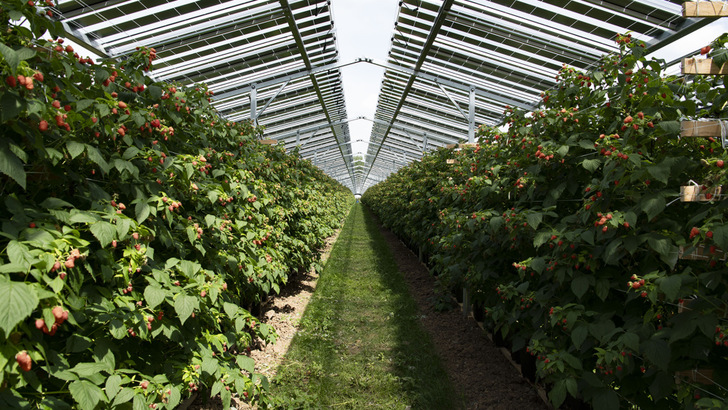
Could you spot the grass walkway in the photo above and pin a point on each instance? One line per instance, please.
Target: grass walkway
(360, 344)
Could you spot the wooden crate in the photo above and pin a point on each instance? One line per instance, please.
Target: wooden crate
(702, 376)
(705, 9)
(702, 66)
(268, 142)
(699, 193)
(452, 161)
(709, 128)
(700, 253)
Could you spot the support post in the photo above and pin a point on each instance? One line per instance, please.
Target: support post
(298, 138)
(424, 144)
(471, 116)
(253, 102)
(466, 302)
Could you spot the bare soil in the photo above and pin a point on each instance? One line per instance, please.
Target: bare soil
(478, 369)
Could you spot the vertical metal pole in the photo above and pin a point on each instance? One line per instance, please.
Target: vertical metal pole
(424, 144)
(298, 138)
(253, 103)
(471, 116)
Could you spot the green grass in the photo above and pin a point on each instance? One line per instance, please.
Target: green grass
(360, 344)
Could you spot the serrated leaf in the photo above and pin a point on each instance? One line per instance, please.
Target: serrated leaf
(184, 306)
(658, 352)
(75, 148)
(117, 329)
(534, 219)
(189, 268)
(652, 205)
(89, 369)
(17, 302)
(155, 91)
(130, 153)
(606, 399)
(113, 385)
(231, 309)
(103, 231)
(578, 335)
(210, 219)
(124, 396)
(142, 210)
(580, 285)
(82, 105)
(174, 396)
(86, 394)
(670, 127)
(95, 156)
(245, 363)
(10, 56)
(591, 165)
(557, 394)
(209, 365)
(720, 236)
(83, 217)
(154, 296)
(670, 286)
(10, 164)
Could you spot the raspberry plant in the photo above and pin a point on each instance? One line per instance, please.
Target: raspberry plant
(565, 224)
(139, 229)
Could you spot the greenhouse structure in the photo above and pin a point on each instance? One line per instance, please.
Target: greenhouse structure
(535, 218)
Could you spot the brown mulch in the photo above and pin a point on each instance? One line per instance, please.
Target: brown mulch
(486, 378)
(478, 369)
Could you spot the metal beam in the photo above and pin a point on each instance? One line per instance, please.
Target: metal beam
(434, 30)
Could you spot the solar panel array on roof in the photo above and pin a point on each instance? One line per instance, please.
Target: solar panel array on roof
(453, 64)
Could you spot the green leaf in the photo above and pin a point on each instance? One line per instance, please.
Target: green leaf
(124, 396)
(605, 399)
(95, 156)
(142, 210)
(538, 264)
(17, 302)
(670, 127)
(541, 238)
(75, 148)
(184, 306)
(130, 153)
(591, 165)
(658, 352)
(189, 268)
(155, 91)
(210, 219)
(670, 286)
(534, 219)
(720, 236)
(245, 363)
(652, 205)
(103, 231)
(117, 329)
(11, 165)
(86, 394)
(557, 395)
(10, 56)
(174, 396)
(209, 365)
(113, 385)
(580, 285)
(578, 335)
(231, 309)
(89, 369)
(154, 296)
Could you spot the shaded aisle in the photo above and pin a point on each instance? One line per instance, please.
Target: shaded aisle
(476, 366)
(360, 343)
